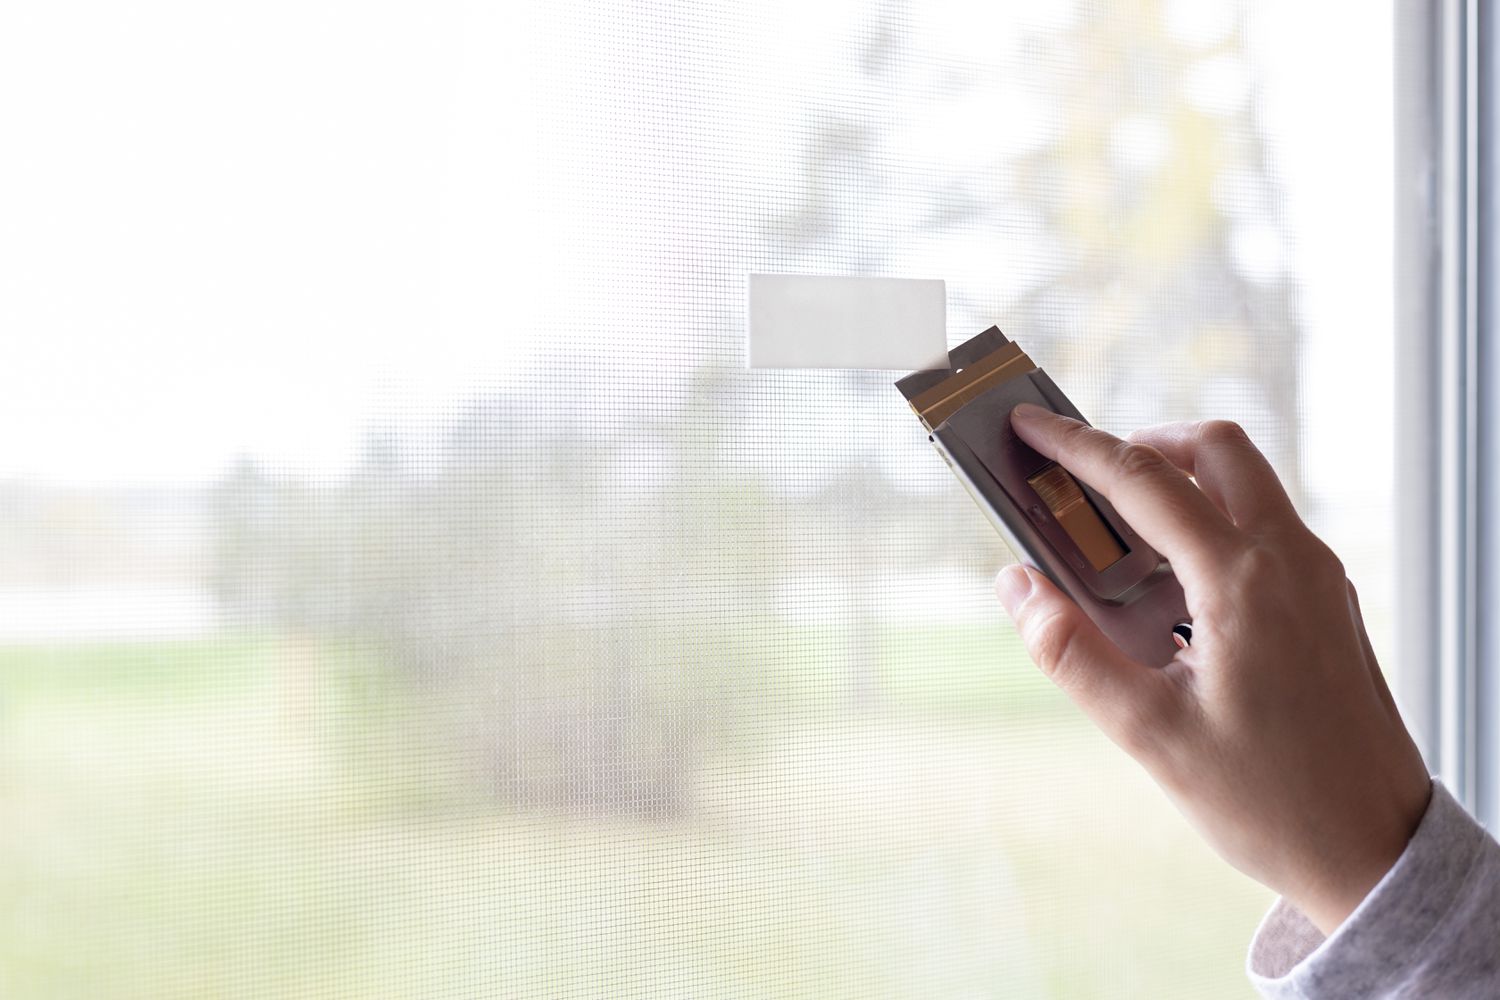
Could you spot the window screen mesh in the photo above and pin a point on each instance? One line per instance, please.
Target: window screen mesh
(406, 591)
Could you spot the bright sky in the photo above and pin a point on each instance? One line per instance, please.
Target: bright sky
(222, 227)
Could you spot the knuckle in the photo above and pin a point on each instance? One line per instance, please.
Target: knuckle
(1222, 432)
(1075, 434)
(1049, 636)
(1308, 561)
(1318, 561)
(1332, 569)
(1139, 460)
(1261, 563)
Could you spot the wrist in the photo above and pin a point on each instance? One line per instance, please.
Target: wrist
(1361, 861)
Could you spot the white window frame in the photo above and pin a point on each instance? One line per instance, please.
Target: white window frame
(1447, 375)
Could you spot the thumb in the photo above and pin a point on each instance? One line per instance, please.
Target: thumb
(1128, 701)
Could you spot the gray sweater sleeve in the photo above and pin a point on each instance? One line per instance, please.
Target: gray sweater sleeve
(1429, 928)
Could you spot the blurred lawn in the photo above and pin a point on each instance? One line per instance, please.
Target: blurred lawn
(263, 817)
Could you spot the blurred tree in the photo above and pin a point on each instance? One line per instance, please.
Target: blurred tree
(590, 571)
(1138, 233)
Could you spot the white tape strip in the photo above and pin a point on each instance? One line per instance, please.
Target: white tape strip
(821, 321)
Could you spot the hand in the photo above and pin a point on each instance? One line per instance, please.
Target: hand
(1274, 733)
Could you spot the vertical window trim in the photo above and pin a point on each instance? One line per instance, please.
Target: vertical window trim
(1483, 715)
(1448, 374)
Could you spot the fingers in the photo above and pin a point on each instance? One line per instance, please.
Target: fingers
(1149, 491)
(1230, 470)
(1130, 702)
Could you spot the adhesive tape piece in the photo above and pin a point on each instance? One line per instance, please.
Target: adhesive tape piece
(826, 321)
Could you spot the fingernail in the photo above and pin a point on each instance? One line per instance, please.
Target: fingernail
(1029, 411)
(1013, 585)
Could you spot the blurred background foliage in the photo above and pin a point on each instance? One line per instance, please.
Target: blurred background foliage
(534, 542)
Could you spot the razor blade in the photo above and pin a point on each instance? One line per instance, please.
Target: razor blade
(1050, 520)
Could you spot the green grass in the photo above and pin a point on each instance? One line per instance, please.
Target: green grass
(127, 670)
(261, 817)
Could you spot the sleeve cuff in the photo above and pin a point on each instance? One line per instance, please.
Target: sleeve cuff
(1374, 951)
